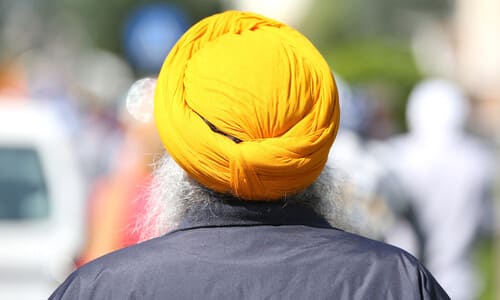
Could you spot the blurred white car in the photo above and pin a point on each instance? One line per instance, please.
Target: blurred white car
(41, 201)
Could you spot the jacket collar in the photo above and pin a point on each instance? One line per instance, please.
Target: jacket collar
(247, 213)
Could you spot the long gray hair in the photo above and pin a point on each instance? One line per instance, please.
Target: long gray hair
(173, 193)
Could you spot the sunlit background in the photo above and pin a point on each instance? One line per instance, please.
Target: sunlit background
(74, 164)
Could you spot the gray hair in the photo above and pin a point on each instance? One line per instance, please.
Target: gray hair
(173, 193)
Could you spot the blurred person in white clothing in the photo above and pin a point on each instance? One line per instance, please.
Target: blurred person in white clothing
(447, 173)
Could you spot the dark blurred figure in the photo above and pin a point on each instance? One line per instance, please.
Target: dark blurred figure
(378, 201)
(448, 174)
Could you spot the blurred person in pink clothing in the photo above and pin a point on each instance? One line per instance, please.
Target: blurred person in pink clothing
(117, 200)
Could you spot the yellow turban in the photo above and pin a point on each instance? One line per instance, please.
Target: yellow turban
(247, 106)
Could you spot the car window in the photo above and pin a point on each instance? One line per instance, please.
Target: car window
(23, 191)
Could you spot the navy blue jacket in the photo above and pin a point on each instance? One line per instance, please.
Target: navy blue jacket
(254, 251)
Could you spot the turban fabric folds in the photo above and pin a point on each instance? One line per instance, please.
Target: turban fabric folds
(248, 106)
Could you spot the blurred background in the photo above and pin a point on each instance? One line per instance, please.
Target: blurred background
(419, 142)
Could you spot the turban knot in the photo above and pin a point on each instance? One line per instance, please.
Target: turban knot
(248, 106)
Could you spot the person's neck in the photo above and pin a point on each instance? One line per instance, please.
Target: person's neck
(236, 212)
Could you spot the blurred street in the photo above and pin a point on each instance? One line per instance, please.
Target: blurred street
(418, 147)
